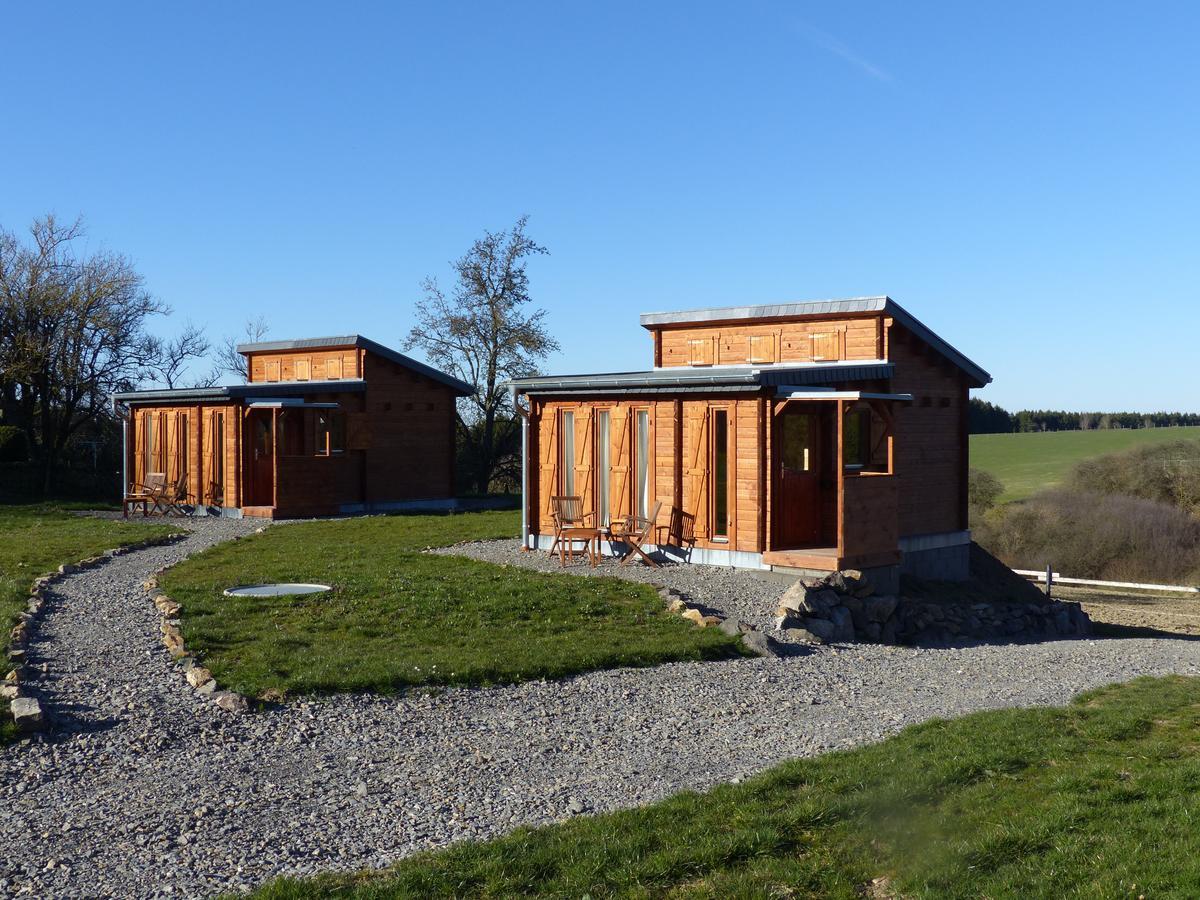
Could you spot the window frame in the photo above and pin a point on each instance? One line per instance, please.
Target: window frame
(566, 453)
(715, 480)
(642, 461)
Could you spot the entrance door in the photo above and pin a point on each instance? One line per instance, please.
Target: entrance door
(262, 458)
(798, 507)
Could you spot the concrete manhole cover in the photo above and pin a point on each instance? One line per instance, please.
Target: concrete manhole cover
(275, 590)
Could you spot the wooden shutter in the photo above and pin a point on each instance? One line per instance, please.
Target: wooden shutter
(139, 444)
(762, 348)
(619, 453)
(272, 370)
(827, 345)
(156, 451)
(701, 351)
(206, 442)
(303, 369)
(333, 368)
(548, 470)
(696, 465)
(583, 457)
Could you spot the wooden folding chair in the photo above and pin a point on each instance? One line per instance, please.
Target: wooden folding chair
(681, 532)
(147, 494)
(634, 531)
(567, 513)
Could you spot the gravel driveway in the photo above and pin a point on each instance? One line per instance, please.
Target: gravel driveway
(143, 790)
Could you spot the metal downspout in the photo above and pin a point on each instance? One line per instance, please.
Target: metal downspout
(524, 414)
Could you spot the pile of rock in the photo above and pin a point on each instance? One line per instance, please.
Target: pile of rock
(838, 608)
(751, 638)
(200, 678)
(843, 607)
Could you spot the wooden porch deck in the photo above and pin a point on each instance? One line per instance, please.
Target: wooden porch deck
(826, 559)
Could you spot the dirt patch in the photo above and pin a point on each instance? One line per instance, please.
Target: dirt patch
(1174, 613)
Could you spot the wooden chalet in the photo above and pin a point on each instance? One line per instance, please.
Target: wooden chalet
(322, 426)
(806, 437)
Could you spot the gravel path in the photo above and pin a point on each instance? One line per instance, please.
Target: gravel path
(142, 790)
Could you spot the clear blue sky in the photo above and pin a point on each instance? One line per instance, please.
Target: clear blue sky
(1023, 177)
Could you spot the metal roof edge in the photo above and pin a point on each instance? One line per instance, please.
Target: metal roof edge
(980, 375)
(867, 304)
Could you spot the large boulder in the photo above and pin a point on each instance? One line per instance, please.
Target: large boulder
(823, 629)
(27, 714)
(760, 644)
(843, 624)
(880, 607)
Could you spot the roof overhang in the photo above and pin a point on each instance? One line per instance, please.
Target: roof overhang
(808, 393)
(236, 392)
(855, 306)
(289, 403)
(722, 379)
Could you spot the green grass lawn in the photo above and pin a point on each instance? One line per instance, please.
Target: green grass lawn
(1028, 463)
(1098, 799)
(398, 617)
(36, 540)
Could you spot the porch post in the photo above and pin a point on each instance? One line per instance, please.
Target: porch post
(839, 462)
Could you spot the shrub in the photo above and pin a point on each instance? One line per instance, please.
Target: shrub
(983, 489)
(1105, 536)
(13, 446)
(1167, 473)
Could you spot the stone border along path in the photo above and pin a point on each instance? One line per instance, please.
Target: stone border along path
(142, 788)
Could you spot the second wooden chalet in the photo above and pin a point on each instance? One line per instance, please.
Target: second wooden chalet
(322, 426)
(811, 436)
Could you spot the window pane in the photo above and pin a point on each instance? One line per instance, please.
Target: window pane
(183, 447)
(643, 462)
(603, 449)
(337, 433)
(567, 462)
(856, 437)
(218, 450)
(720, 470)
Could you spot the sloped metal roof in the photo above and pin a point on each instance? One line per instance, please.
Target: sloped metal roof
(357, 340)
(240, 391)
(851, 306)
(685, 380)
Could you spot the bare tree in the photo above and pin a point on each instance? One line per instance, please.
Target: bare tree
(228, 360)
(483, 334)
(169, 360)
(72, 330)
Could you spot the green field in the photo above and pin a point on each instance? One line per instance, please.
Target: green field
(1097, 799)
(1028, 463)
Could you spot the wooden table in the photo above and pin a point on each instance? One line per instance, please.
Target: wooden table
(591, 544)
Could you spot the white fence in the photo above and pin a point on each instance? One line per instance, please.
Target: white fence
(1055, 578)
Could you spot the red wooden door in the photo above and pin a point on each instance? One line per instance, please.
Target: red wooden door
(262, 458)
(798, 506)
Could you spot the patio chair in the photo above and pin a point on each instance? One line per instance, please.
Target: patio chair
(567, 512)
(145, 495)
(681, 532)
(633, 531)
(571, 524)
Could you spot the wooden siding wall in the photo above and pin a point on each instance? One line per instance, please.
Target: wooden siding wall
(407, 433)
(331, 364)
(870, 521)
(931, 443)
(680, 471)
(797, 341)
(199, 448)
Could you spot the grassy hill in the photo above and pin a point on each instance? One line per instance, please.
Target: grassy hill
(1027, 463)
